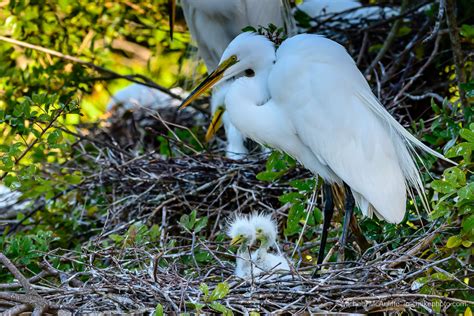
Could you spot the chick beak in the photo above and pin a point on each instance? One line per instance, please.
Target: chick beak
(172, 15)
(236, 240)
(211, 80)
(216, 123)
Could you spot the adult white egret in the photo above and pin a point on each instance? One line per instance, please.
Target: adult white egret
(266, 231)
(213, 24)
(309, 99)
(242, 233)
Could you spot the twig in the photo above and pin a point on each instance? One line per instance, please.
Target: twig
(133, 78)
(389, 41)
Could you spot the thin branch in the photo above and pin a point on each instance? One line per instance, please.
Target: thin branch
(133, 78)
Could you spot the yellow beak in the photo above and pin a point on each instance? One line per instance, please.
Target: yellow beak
(172, 15)
(216, 123)
(236, 240)
(213, 78)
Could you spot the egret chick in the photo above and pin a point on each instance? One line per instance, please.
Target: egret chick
(266, 232)
(242, 233)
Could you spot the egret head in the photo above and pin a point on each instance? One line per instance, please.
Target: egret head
(246, 56)
(266, 229)
(241, 232)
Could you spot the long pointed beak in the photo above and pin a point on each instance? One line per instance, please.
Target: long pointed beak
(236, 240)
(216, 123)
(172, 15)
(211, 80)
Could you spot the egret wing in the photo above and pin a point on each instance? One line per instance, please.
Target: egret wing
(323, 99)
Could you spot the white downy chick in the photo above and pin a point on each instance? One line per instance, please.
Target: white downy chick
(243, 234)
(266, 232)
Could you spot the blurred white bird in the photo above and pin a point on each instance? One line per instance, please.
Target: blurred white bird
(136, 95)
(356, 13)
(266, 231)
(213, 24)
(242, 233)
(309, 99)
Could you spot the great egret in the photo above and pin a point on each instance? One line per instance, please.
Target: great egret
(213, 24)
(266, 231)
(242, 233)
(309, 99)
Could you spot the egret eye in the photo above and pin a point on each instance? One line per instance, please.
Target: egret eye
(249, 73)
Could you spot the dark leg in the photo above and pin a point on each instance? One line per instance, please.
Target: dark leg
(328, 212)
(349, 209)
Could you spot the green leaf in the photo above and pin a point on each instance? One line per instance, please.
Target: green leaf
(73, 179)
(467, 31)
(441, 276)
(290, 197)
(467, 192)
(296, 213)
(204, 289)
(184, 221)
(419, 283)
(54, 137)
(155, 232)
(443, 186)
(454, 241)
(269, 176)
(158, 310)
(220, 308)
(468, 224)
(455, 176)
(221, 290)
(442, 209)
(462, 149)
(200, 224)
(116, 238)
(467, 135)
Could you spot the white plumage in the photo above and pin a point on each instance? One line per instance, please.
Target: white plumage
(213, 24)
(310, 100)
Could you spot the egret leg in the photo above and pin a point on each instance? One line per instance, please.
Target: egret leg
(349, 209)
(328, 212)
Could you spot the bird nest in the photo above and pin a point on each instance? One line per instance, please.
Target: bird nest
(160, 244)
